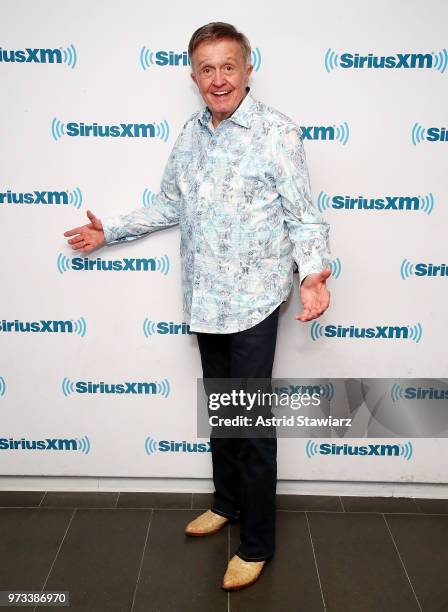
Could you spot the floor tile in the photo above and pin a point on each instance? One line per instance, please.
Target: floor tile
(181, 573)
(289, 581)
(99, 560)
(379, 504)
(309, 502)
(29, 541)
(20, 499)
(79, 499)
(202, 501)
(154, 500)
(359, 567)
(422, 542)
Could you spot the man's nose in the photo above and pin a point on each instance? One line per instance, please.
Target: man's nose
(218, 78)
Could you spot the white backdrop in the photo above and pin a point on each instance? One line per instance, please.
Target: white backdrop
(379, 145)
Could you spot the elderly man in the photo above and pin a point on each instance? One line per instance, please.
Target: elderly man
(237, 184)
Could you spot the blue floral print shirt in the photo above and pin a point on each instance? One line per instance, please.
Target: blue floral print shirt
(241, 196)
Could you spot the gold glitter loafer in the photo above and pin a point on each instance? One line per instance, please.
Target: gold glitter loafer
(206, 524)
(241, 574)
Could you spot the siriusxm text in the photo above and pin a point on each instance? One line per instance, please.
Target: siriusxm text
(37, 326)
(339, 202)
(34, 197)
(122, 130)
(36, 56)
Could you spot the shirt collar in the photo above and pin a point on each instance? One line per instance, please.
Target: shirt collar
(242, 115)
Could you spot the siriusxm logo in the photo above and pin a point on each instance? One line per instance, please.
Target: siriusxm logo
(397, 393)
(57, 444)
(126, 264)
(432, 134)
(122, 130)
(151, 328)
(404, 451)
(388, 332)
(164, 58)
(162, 388)
(40, 56)
(408, 269)
(326, 132)
(437, 61)
(388, 202)
(171, 446)
(326, 391)
(42, 197)
(2, 386)
(70, 326)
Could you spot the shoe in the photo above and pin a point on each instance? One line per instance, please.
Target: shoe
(241, 574)
(206, 524)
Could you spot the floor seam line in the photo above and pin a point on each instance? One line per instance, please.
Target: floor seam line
(402, 563)
(57, 553)
(315, 562)
(141, 560)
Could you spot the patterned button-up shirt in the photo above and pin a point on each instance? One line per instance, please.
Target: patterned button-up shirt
(241, 196)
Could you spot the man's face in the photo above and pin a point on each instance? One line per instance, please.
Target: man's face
(221, 73)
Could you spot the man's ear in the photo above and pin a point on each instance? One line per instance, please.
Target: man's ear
(193, 77)
(249, 70)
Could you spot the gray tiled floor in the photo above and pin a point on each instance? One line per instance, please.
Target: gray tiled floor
(128, 552)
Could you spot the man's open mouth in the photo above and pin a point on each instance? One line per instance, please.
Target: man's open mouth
(221, 94)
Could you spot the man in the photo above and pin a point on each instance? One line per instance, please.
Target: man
(237, 184)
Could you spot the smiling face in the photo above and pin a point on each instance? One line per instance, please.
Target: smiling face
(221, 72)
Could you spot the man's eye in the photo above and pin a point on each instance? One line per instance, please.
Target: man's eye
(229, 68)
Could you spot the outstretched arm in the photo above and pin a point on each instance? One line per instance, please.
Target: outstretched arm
(163, 212)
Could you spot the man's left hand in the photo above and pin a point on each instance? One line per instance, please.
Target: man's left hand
(314, 295)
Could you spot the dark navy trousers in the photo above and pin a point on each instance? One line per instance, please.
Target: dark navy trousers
(245, 469)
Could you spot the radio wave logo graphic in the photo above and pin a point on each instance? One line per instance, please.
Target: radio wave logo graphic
(311, 448)
(162, 130)
(427, 203)
(70, 56)
(416, 332)
(323, 201)
(406, 450)
(150, 446)
(146, 58)
(163, 388)
(63, 263)
(57, 129)
(149, 327)
(2, 386)
(418, 134)
(83, 445)
(396, 392)
(406, 269)
(331, 60)
(335, 267)
(148, 197)
(163, 264)
(255, 58)
(342, 133)
(317, 330)
(68, 387)
(441, 60)
(79, 326)
(327, 391)
(75, 198)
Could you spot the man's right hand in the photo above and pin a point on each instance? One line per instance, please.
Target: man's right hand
(87, 237)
